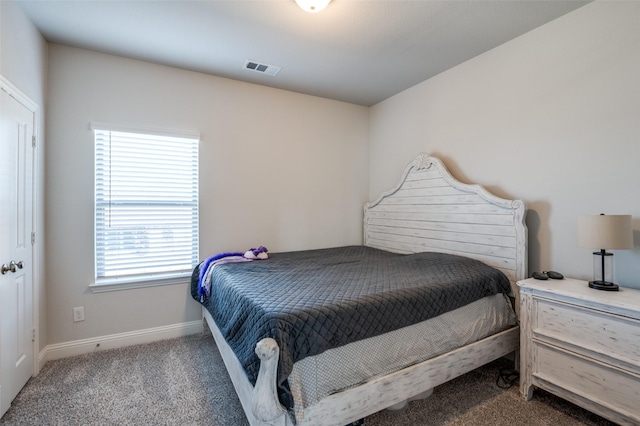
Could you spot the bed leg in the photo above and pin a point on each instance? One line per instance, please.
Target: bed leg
(206, 331)
(264, 402)
(402, 405)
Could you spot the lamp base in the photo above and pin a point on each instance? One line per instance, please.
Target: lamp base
(604, 285)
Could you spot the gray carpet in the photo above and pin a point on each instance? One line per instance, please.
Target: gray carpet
(183, 382)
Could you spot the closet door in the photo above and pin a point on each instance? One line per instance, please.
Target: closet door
(16, 253)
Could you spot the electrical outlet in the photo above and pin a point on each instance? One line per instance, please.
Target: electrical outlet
(78, 314)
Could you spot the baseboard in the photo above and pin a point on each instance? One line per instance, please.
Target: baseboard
(112, 341)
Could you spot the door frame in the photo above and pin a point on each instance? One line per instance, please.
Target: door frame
(21, 97)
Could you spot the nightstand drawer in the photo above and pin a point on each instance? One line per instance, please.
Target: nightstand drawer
(609, 387)
(600, 335)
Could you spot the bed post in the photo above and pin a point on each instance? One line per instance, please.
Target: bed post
(264, 402)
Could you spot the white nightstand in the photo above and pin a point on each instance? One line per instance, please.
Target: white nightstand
(582, 345)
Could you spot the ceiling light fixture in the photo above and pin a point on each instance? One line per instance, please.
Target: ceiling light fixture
(312, 6)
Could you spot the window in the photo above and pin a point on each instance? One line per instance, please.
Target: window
(146, 207)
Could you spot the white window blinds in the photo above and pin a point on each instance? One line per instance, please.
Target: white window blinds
(146, 205)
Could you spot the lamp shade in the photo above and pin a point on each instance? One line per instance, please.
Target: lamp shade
(613, 232)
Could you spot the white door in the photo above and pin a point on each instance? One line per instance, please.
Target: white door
(16, 225)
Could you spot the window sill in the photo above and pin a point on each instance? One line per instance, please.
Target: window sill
(129, 283)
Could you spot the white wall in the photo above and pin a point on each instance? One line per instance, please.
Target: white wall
(23, 61)
(277, 168)
(552, 117)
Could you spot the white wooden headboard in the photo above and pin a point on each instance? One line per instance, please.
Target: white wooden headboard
(429, 210)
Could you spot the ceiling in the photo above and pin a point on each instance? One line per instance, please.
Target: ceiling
(357, 51)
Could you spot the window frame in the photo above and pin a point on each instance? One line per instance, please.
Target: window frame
(132, 281)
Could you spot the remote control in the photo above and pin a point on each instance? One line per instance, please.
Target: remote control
(554, 275)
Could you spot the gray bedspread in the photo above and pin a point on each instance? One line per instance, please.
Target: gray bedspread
(311, 301)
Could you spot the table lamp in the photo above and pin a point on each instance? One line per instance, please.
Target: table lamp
(604, 232)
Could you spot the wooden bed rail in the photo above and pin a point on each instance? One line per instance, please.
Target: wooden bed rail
(396, 388)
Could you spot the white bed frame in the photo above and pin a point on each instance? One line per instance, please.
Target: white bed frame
(428, 210)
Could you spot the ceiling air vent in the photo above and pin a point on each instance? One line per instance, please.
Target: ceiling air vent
(261, 68)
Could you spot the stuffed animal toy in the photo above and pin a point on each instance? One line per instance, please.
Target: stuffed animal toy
(257, 253)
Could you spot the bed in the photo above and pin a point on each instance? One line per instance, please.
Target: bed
(333, 354)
